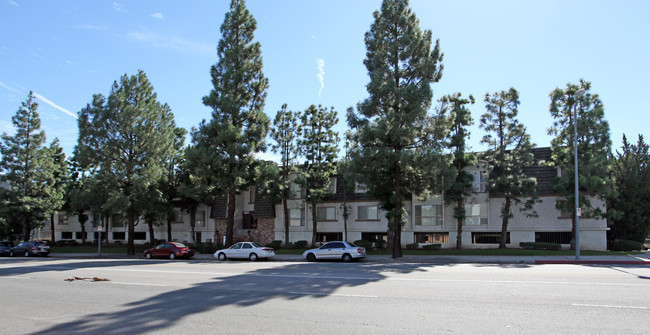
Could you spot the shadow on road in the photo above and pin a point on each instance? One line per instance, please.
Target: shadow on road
(288, 281)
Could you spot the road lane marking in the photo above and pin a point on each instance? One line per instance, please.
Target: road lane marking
(611, 306)
(336, 294)
(138, 284)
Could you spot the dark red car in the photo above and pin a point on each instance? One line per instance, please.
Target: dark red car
(169, 249)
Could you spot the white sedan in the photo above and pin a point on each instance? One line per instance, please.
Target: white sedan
(251, 250)
(342, 250)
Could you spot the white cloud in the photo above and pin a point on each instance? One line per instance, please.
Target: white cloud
(13, 3)
(118, 7)
(321, 74)
(9, 88)
(158, 16)
(170, 42)
(47, 101)
(90, 27)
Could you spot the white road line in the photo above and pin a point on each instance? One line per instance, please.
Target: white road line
(138, 284)
(611, 306)
(336, 294)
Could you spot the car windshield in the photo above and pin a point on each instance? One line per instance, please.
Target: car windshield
(256, 245)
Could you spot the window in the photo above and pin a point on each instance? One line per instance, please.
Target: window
(476, 214)
(66, 235)
(324, 237)
(489, 238)
(331, 189)
(428, 215)
(296, 217)
(295, 191)
(367, 213)
(432, 238)
(478, 184)
(326, 213)
(118, 221)
(561, 237)
(251, 198)
(140, 235)
(249, 221)
(63, 219)
(177, 216)
(360, 188)
(200, 219)
(119, 235)
(81, 236)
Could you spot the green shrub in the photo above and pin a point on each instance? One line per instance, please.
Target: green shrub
(540, 245)
(275, 244)
(412, 245)
(626, 245)
(302, 244)
(432, 246)
(363, 244)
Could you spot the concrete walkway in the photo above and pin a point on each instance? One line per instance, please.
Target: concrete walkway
(642, 259)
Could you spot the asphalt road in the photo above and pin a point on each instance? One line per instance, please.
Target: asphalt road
(209, 297)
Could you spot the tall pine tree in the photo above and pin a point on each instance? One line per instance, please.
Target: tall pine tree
(394, 146)
(236, 132)
(319, 145)
(630, 219)
(460, 181)
(594, 148)
(285, 134)
(29, 170)
(126, 139)
(509, 154)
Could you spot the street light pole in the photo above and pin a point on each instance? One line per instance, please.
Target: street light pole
(576, 210)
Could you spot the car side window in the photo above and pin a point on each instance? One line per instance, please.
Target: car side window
(328, 246)
(338, 245)
(247, 246)
(236, 246)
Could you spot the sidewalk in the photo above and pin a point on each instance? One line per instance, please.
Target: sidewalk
(642, 259)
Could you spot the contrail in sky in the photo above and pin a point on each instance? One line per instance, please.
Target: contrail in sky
(40, 97)
(321, 74)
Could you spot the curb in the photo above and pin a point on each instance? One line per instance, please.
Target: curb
(592, 262)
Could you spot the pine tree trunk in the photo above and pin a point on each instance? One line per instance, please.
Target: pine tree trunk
(504, 224)
(52, 228)
(285, 208)
(130, 249)
(230, 219)
(169, 230)
(459, 237)
(152, 240)
(314, 219)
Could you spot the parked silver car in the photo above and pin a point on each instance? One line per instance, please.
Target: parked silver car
(342, 250)
(30, 248)
(251, 250)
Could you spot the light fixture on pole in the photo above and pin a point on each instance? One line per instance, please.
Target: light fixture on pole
(576, 209)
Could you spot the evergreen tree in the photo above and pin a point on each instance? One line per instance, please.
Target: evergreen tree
(460, 186)
(126, 139)
(57, 183)
(594, 147)
(285, 134)
(628, 204)
(318, 145)
(28, 169)
(394, 150)
(509, 154)
(236, 132)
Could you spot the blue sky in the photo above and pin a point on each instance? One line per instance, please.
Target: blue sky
(66, 51)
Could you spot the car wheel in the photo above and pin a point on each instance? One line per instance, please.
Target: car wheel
(26, 253)
(311, 257)
(11, 253)
(346, 258)
(222, 256)
(253, 257)
(172, 255)
(147, 255)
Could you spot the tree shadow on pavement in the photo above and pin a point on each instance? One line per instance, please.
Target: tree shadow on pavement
(289, 281)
